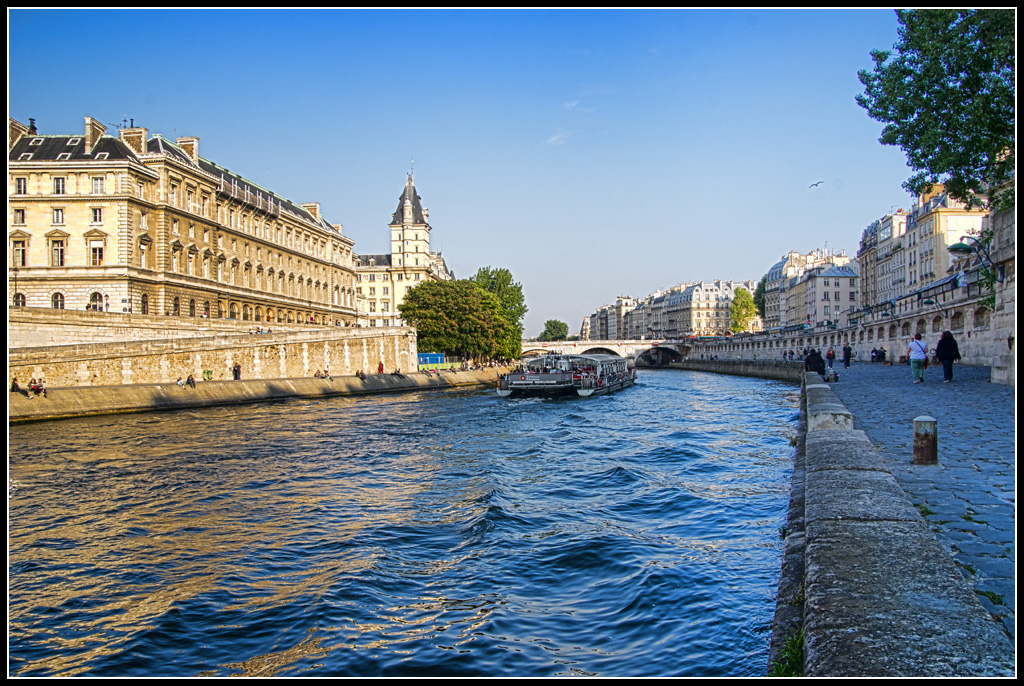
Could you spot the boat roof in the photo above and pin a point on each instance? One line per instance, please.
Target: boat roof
(597, 357)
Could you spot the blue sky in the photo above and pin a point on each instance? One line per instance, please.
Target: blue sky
(592, 153)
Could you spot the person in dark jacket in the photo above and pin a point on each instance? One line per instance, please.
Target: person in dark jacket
(814, 362)
(947, 351)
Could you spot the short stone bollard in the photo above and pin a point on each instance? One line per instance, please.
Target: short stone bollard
(926, 440)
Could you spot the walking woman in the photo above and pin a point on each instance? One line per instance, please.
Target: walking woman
(918, 354)
(947, 351)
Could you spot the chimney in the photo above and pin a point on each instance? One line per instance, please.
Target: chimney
(135, 139)
(191, 147)
(15, 130)
(313, 208)
(93, 132)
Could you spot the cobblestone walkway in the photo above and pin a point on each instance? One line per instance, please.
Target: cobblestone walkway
(970, 497)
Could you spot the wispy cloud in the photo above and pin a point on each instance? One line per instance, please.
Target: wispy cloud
(575, 106)
(558, 138)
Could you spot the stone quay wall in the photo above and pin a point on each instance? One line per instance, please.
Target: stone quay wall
(776, 370)
(297, 354)
(34, 327)
(62, 403)
(863, 577)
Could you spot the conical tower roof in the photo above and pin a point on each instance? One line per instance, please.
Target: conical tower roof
(408, 197)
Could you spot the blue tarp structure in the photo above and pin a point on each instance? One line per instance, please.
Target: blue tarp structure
(431, 359)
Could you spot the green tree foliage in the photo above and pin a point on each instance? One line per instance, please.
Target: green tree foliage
(510, 293)
(947, 97)
(742, 310)
(759, 292)
(459, 318)
(554, 330)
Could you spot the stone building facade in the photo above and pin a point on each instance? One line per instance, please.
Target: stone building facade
(136, 223)
(384, 279)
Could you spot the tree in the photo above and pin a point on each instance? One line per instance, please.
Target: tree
(459, 318)
(947, 98)
(759, 293)
(500, 282)
(554, 330)
(742, 310)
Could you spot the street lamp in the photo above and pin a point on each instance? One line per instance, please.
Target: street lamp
(976, 247)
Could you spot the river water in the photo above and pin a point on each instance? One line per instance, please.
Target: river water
(419, 534)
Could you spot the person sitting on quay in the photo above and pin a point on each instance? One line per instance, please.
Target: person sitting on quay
(191, 381)
(180, 383)
(15, 388)
(814, 362)
(38, 387)
(317, 374)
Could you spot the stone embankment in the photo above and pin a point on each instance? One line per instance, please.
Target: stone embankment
(62, 403)
(777, 370)
(864, 578)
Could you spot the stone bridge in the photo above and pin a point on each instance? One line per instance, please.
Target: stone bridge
(643, 353)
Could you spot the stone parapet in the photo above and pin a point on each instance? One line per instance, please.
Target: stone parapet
(296, 354)
(881, 596)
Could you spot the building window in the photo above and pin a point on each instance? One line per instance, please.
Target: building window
(57, 253)
(58, 216)
(96, 255)
(19, 216)
(97, 185)
(19, 300)
(96, 302)
(144, 304)
(21, 186)
(97, 215)
(58, 186)
(19, 253)
(57, 301)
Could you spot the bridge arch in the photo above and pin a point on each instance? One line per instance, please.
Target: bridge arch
(657, 356)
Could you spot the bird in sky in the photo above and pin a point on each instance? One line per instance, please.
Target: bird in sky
(816, 184)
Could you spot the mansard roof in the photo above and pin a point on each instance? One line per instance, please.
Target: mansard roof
(66, 148)
(409, 195)
(378, 260)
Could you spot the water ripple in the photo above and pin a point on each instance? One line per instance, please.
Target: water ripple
(425, 534)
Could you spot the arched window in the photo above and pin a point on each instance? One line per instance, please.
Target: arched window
(96, 302)
(176, 307)
(144, 304)
(936, 324)
(19, 300)
(957, 320)
(981, 317)
(191, 308)
(57, 301)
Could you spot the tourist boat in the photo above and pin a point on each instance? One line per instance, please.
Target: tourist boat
(555, 374)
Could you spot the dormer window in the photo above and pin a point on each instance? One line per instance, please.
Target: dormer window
(36, 141)
(74, 141)
(63, 156)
